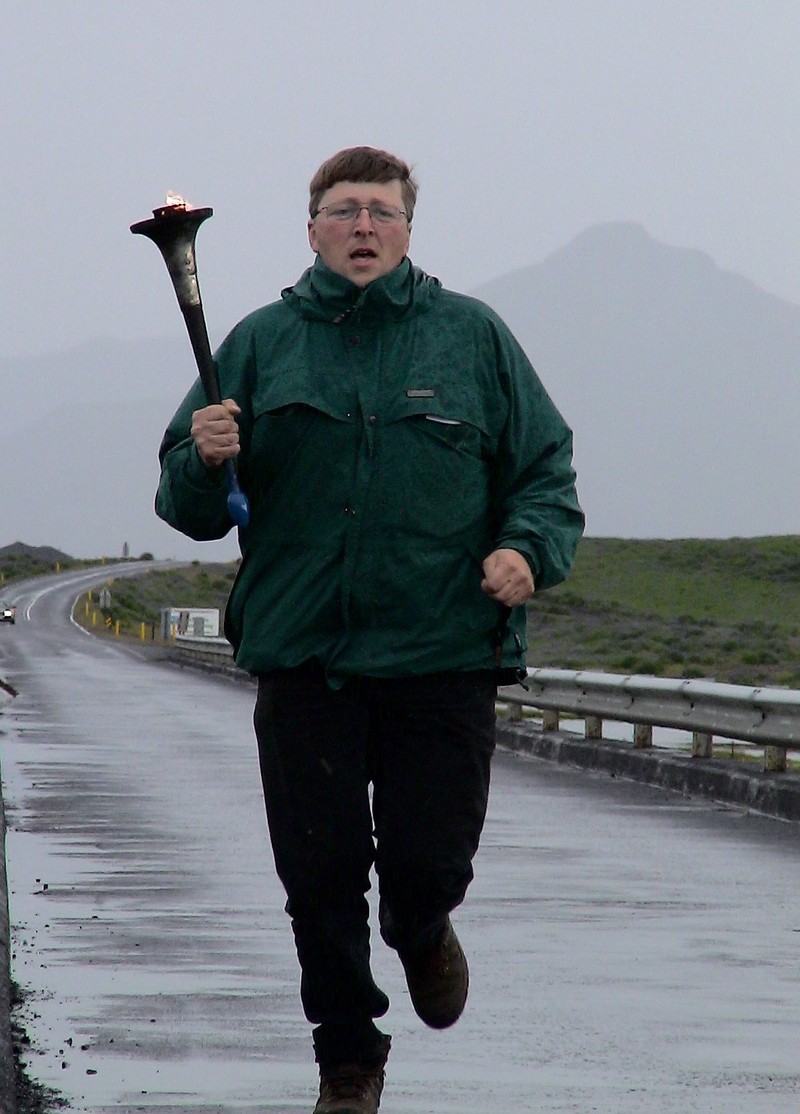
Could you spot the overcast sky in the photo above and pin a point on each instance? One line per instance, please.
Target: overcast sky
(527, 121)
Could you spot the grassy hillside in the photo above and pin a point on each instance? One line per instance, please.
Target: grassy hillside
(727, 610)
(137, 600)
(19, 561)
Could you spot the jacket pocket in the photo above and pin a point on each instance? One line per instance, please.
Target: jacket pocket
(294, 413)
(435, 468)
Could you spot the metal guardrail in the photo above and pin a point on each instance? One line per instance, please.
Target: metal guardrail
(205, 647)
(212, 654)
(768, 717)
(763, 717)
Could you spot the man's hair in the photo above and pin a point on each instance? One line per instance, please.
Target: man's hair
(363, 164)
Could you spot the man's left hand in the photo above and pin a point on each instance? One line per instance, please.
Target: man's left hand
(507, 577)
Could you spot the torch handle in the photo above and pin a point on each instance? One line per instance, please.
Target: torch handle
(193, 315)
(198, 335)
(173, 228)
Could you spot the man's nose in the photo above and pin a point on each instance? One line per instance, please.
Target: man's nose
(363, 220)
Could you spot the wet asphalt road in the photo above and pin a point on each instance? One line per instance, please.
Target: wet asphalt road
(630, 950)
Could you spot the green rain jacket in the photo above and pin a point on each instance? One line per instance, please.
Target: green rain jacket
(392, 436)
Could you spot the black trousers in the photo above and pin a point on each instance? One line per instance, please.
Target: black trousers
(425, 745)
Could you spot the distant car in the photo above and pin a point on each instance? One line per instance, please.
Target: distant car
(8, 614)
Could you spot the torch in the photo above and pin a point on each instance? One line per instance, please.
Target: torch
(173, 229)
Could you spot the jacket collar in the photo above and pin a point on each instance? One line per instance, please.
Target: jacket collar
(323, 295)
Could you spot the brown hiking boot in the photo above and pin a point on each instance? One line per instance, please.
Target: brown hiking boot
(350, 1089)
(438, 981)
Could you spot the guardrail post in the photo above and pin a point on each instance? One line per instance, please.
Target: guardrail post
(775, 760)
(594, 727)
(642, 736)
(551, 719)
(702, 745)
(515, 712)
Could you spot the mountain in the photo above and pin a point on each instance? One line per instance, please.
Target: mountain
(45, 554)
(679, 379)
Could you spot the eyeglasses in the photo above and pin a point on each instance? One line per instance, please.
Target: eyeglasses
(348, 211)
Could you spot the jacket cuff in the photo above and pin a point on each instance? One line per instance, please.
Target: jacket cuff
(523, 548)
(200, 475)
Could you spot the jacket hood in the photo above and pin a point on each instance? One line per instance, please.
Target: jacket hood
(323, 295)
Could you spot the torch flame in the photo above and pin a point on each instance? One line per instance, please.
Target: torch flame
(175, 201)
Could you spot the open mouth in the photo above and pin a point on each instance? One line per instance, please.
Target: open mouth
(363, 253)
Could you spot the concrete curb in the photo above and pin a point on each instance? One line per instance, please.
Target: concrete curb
(8, 1089)
(718, 779)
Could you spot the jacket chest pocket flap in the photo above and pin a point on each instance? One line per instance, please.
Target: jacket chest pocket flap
(446, 414)
(298, 388)
(290, 413)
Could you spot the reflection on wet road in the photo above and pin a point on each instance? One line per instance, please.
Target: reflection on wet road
(630, 950)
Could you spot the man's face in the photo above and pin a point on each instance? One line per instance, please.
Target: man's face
(362, 249)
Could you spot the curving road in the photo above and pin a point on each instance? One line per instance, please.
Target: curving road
(631, 951)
